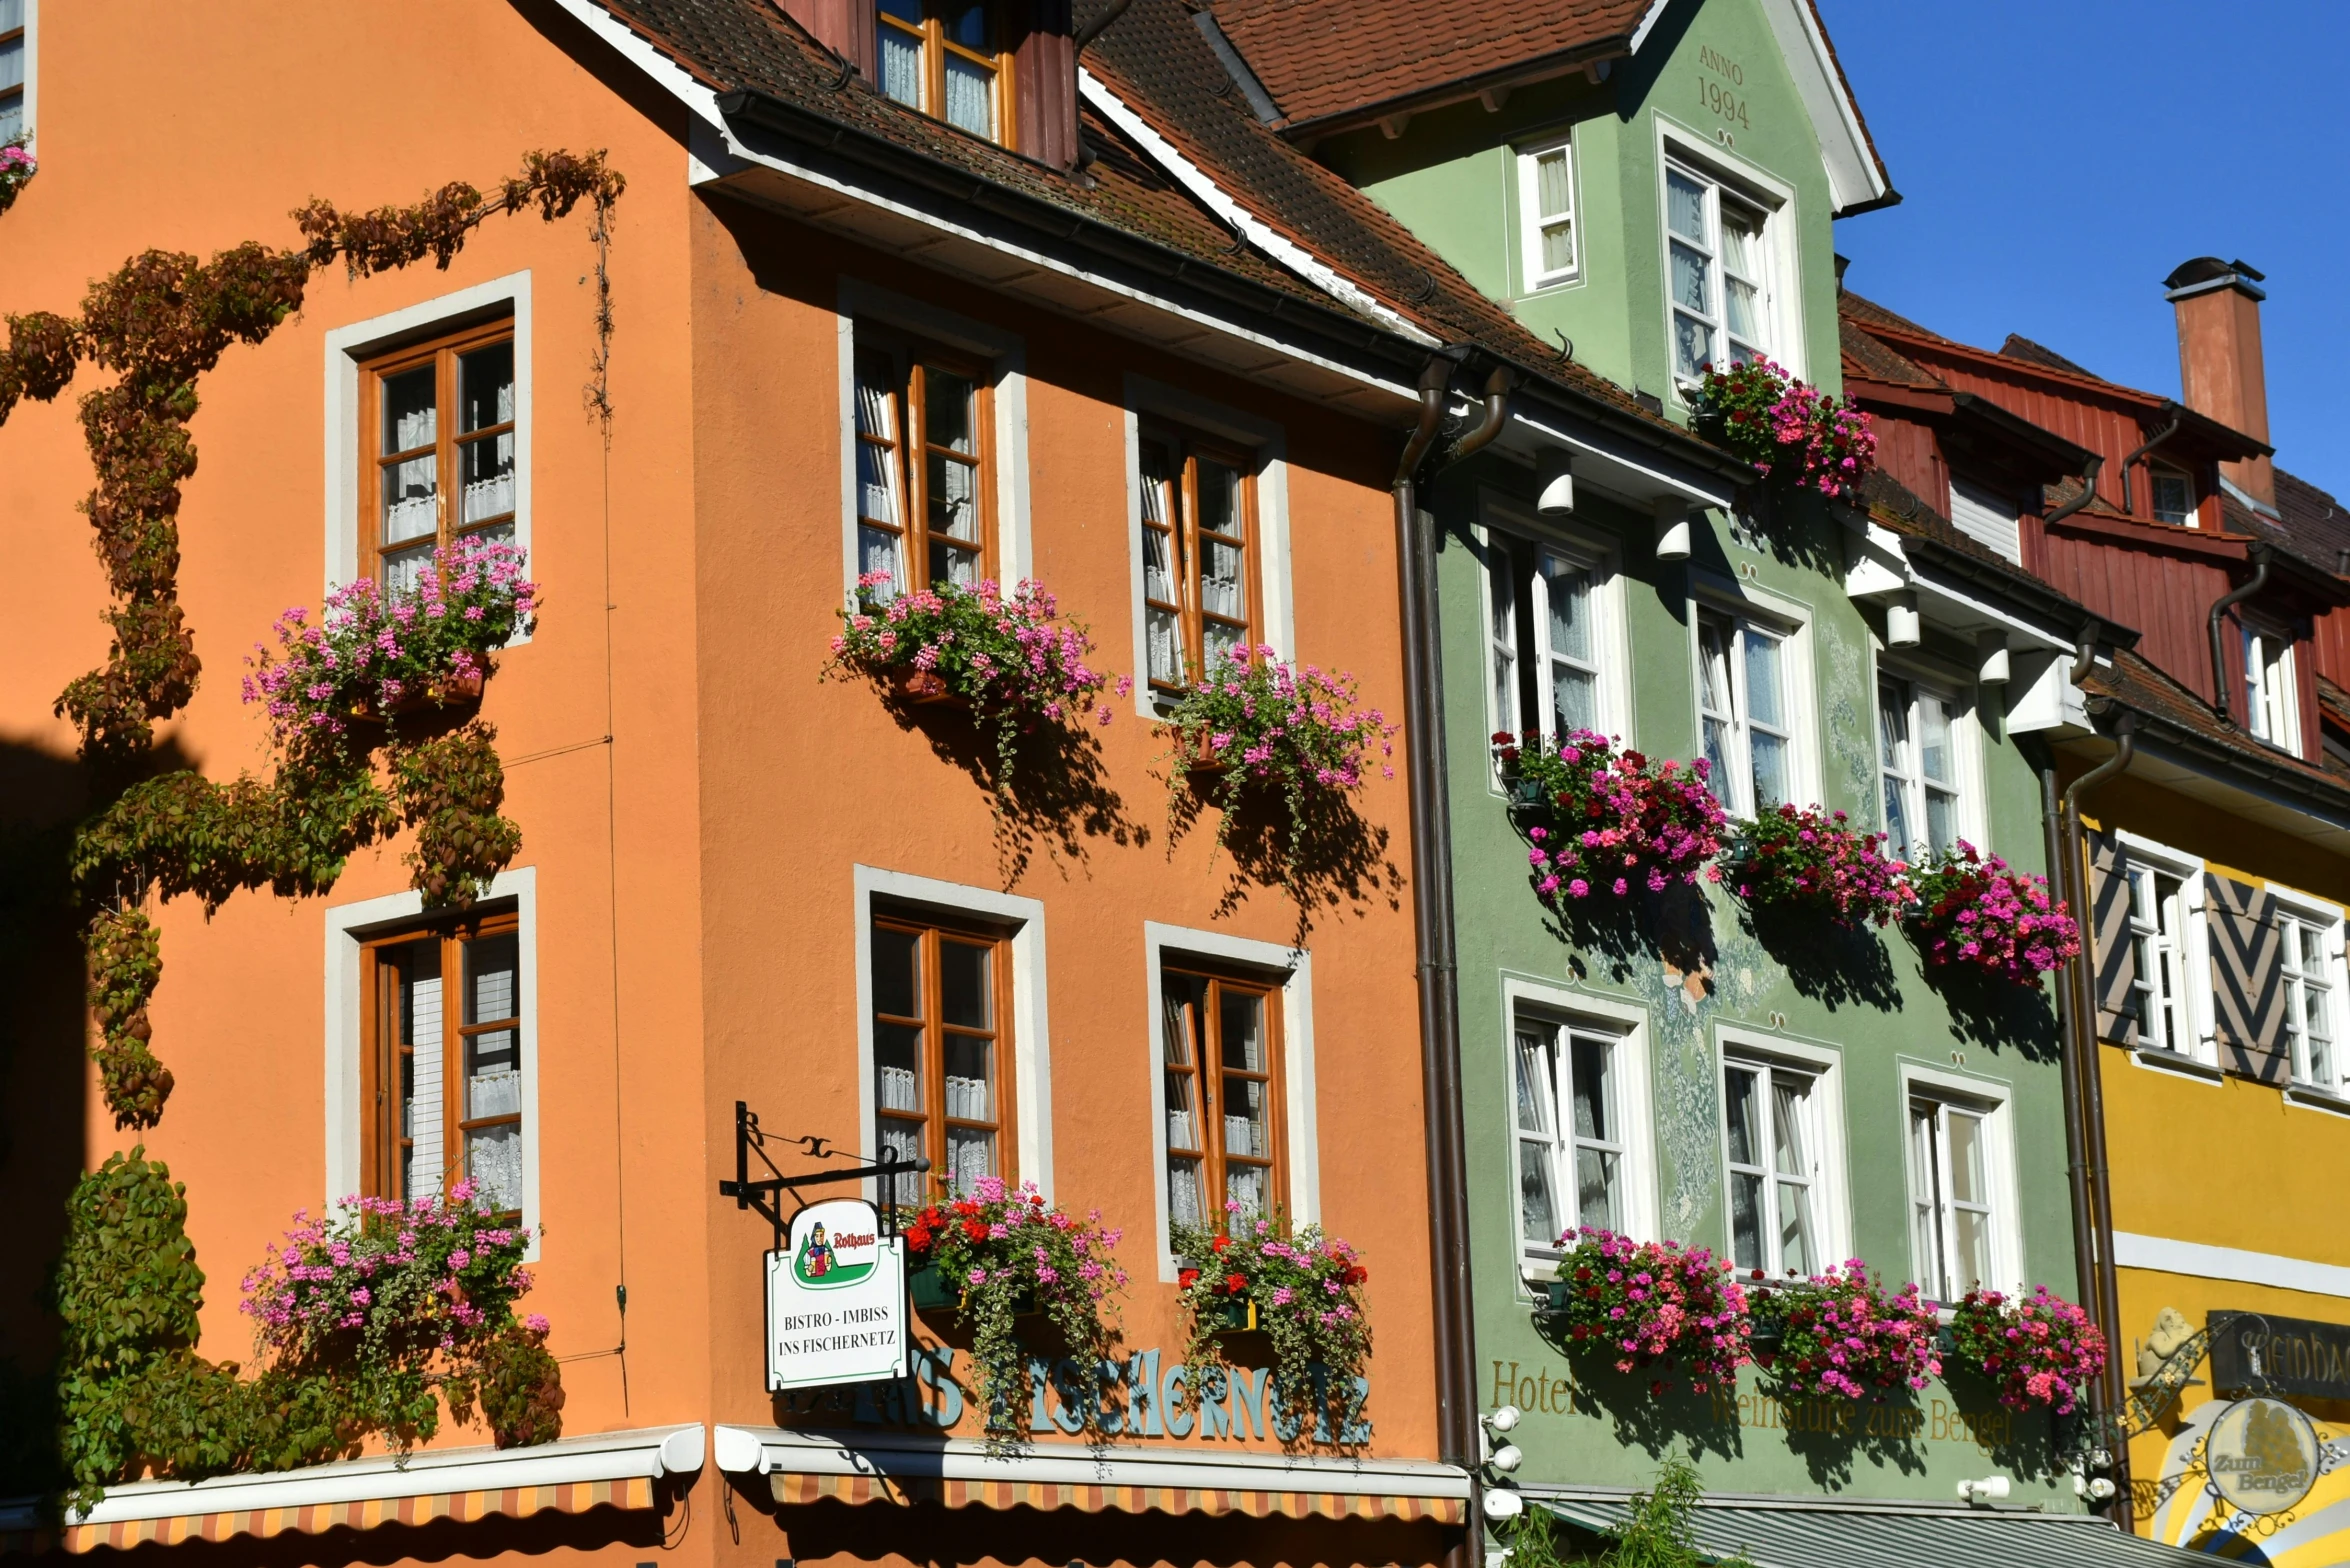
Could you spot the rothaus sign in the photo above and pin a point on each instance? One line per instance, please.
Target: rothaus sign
(2253, 1353)
(836, 1299)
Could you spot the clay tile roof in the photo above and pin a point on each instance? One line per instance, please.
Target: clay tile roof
(1868, 313)
(2314, 520)
(751, 45)
(1323, 57)
(1162, 67)
(1872, 358)
(1893, 505)
(2020, 347)
(2134, 683)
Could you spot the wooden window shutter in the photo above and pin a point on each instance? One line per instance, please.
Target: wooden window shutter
(2111, 949)
(2247, 980)
(1046, 66)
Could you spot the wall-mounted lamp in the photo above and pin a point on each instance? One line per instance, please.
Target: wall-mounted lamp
(1991, 1489)
(1556, 470)
(1501, 1503)
(1672, 528)
(1991, 649)
(1901, 621)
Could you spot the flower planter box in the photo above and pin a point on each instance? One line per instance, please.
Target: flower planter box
(934, 1292)
(449, 696)
(1233, 1315)
(922, 688)
(1201, 765)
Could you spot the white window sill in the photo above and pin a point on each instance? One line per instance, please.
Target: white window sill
(2177, 1062)
(2310, 1097)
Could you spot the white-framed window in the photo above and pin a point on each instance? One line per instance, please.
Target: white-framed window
(2173, 495)
(1555, 659)
(1582, 1149)
(1175, 440)
(2313, 975)
(363, 513)
(17, 26)
(432, 1048)
(1231, 1069)
(1925, 766)
(1717, 273)
(1772, 1134)
(954, 1040)
(2272, 694)
(2171, 966)
(934, 441)
(1963, 1227)
(1751, 681)
(1546, 214)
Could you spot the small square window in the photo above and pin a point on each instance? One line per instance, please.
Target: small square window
(2174, 498)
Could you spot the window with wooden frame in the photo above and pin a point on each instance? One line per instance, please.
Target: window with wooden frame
(441, 1076)
(1222, 1057)
(952, 60)
(2172, 493)
(942, 1049)
(12, 69)
(925, 466)
(439, 427)
(1199, 557)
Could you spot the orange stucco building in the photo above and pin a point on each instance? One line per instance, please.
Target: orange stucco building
(711, 830)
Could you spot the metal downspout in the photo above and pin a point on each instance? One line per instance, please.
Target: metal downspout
(1432, 920)
(2075, 1146)
(2091, 1103)
(2089, 472)
(2258, 552)
(2130, 463)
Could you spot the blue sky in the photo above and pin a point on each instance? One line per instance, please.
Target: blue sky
(2058, 157)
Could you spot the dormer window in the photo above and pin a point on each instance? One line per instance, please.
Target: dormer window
(2174, 498)
(944, 57)
(2272, 705)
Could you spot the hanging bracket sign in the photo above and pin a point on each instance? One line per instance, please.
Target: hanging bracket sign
(836, 1299)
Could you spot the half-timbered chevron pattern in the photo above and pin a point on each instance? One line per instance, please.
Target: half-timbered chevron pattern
(2247, 982)
(2113, 954)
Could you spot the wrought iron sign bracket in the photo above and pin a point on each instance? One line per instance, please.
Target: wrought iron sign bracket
(765, 1193)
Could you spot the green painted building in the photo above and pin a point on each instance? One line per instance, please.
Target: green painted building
(1685, 1067)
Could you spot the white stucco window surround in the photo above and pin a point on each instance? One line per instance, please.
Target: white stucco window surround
(347, 925)
(1732, 263)
(1964, 1217)
(1565, 1051)
(1152, 406)
(1553, 616)
(1782, 1130)
(1005, 356)
(348, 346)
(1757, 696)
(1032, 1078)
(1291, 971)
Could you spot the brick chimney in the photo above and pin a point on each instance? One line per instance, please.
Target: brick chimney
(2220, 368)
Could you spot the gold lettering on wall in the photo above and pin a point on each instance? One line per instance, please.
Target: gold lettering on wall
(1537, 1391)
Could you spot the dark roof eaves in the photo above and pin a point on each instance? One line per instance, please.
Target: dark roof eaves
(2021, 587)
(2218, 756)
(1557, 62)
(1066, 225)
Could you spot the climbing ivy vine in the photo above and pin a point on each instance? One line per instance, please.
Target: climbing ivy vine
(131, 1396)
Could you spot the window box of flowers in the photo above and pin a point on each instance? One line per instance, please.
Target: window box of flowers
(1651, 1306)
(1004, 1253)
(1609, 822)
(383, 1306)
(374, 656)
(2042, 1351)
(1810, 860)
(1011, 658)
(1257, 723)
(1840, 1333)
(17, 168)
(1972, 913)
(1797, 437)
(1302, 1289)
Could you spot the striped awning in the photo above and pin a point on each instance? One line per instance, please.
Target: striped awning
(867, 1467)
(571, 1475)
(1791, 1535)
